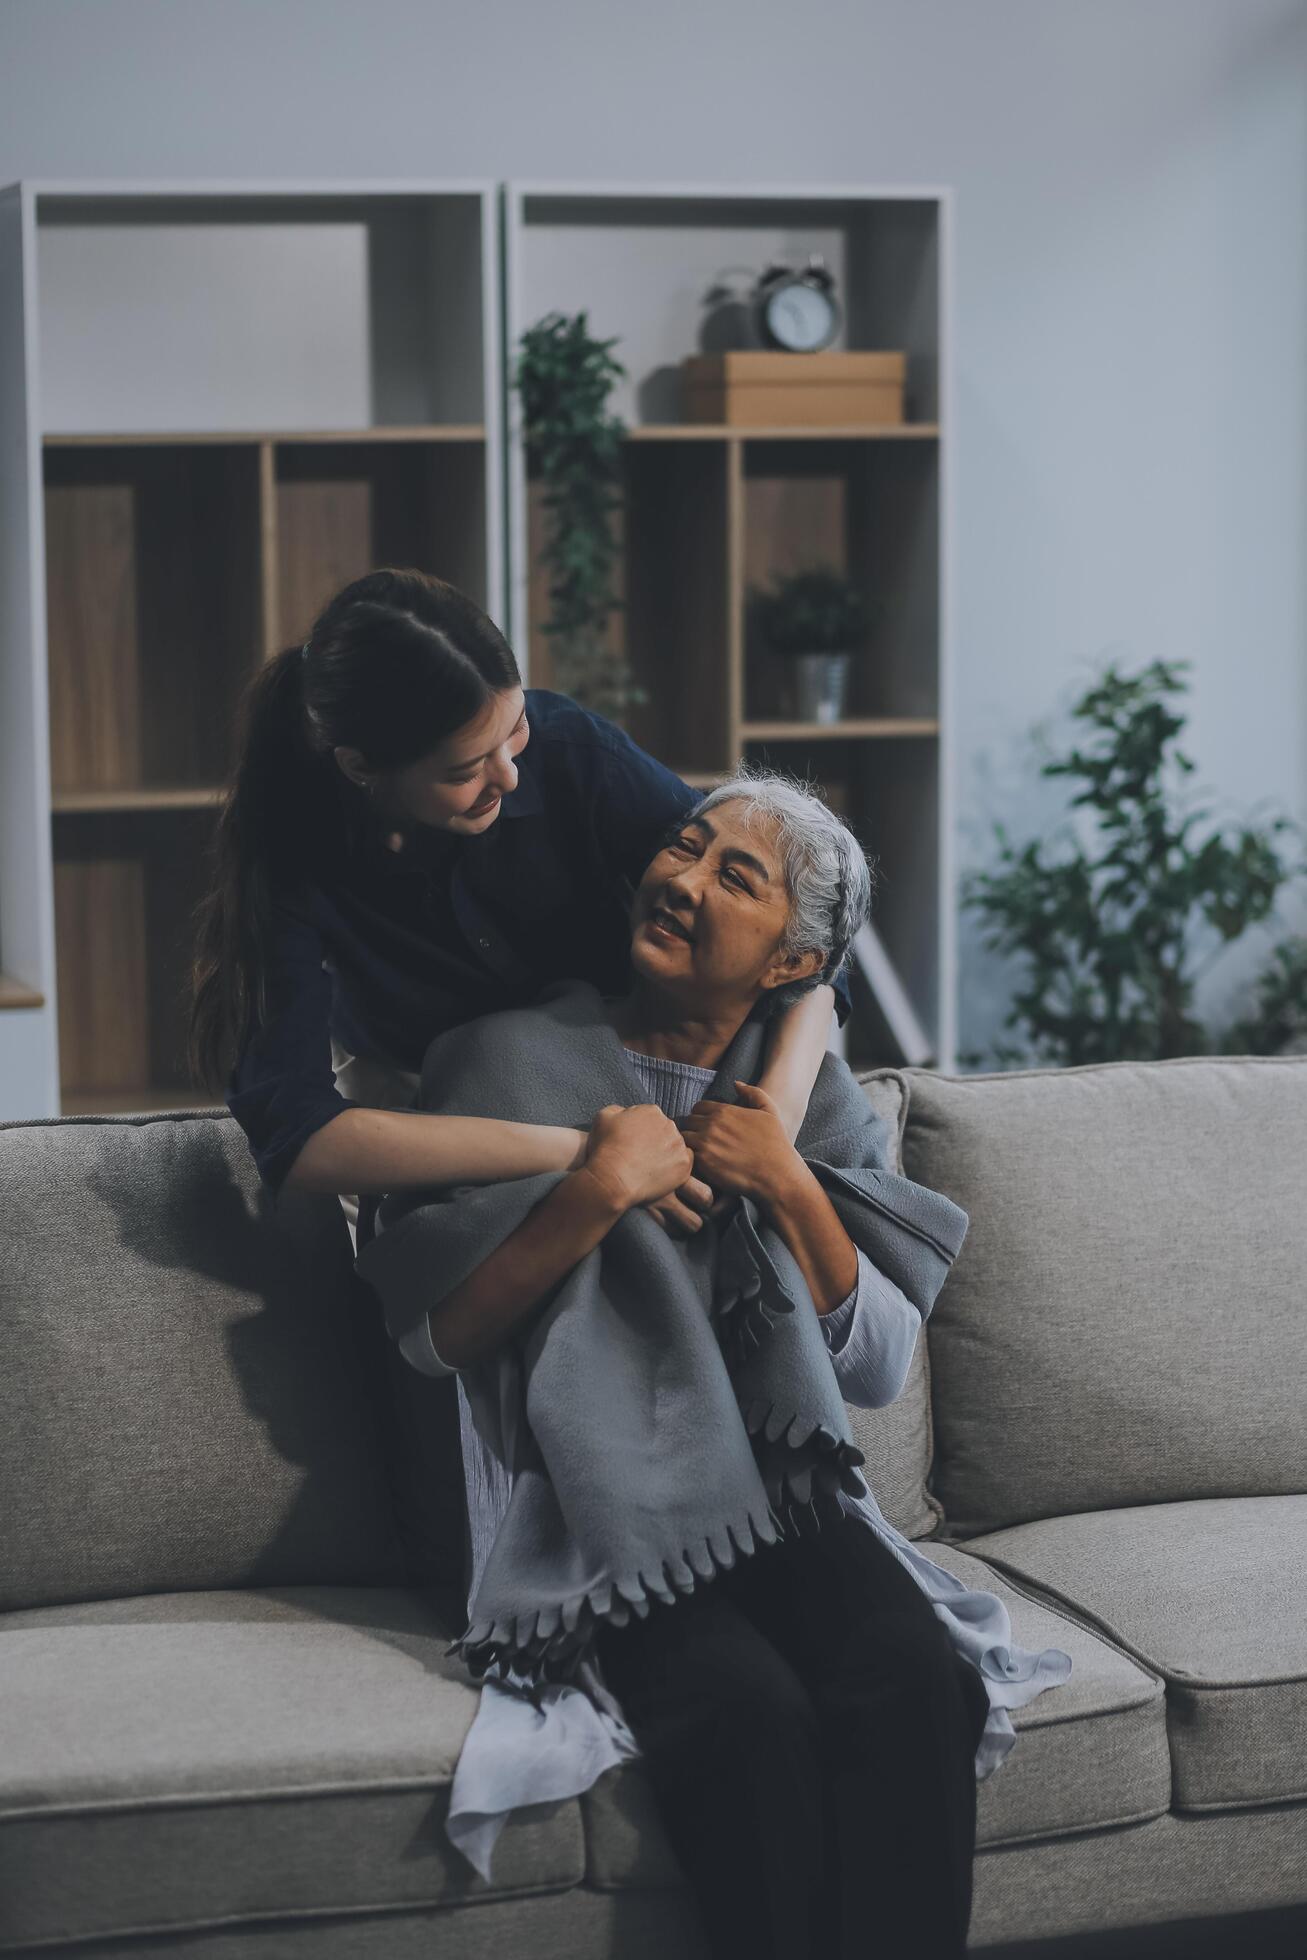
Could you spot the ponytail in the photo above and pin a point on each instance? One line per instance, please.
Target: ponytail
(394, 664)
(272, 775)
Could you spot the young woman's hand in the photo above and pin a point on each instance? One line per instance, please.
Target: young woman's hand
(742, 1149)
(637, 1154)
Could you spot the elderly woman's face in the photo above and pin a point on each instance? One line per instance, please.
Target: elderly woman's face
(712, 909)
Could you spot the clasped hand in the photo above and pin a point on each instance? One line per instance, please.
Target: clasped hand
(728, 1150)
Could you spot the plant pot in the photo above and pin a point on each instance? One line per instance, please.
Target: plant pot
(822, 685)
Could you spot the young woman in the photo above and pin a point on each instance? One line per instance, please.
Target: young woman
(412, 839)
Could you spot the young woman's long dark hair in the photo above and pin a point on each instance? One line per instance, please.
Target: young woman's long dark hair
(396, 662)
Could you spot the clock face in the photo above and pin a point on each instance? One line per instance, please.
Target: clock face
(799, 317)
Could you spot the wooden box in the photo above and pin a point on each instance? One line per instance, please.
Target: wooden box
(779, 390)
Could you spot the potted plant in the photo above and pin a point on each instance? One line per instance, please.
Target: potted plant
(818, 619)
(1108, 932)
(574, 445)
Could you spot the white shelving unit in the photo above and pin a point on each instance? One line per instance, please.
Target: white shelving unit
(218, 402)
(709, 511)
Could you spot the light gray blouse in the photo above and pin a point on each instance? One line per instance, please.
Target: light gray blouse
(515, 1753)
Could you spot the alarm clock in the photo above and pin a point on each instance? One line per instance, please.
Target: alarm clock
(797, 310)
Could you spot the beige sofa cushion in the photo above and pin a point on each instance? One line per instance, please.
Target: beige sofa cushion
(186, 1758)
(1210, 1595)
(1126, 1322)
(191, 1392)
(896, 1440)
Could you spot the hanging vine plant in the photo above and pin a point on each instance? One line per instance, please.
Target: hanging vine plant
(574, 446)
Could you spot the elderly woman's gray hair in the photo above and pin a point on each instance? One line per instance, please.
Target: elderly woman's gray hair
(827, 875)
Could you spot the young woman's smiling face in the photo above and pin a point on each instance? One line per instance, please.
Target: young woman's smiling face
(462, 783)
(712, 910)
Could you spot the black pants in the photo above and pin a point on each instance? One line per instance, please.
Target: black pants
(810, 1733)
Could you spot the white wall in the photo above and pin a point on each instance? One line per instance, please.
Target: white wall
(1131, 279)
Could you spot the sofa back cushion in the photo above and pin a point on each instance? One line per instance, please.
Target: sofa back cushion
(1126, 1322)
(190, 1392)
(896, 1440)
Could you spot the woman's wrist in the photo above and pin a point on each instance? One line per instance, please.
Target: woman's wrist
(565, 1147)
(781, 1184)
(803, 1218)
(596, 1194)
(788, 1107)
(550, 1146)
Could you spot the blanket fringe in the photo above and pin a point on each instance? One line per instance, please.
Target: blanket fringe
(791, 1465)
(549, 1643)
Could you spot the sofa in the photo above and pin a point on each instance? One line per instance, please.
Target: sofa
(232, 1544)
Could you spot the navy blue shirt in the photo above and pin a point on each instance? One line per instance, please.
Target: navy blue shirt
(403, 945)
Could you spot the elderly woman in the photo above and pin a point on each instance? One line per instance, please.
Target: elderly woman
(673, 1553)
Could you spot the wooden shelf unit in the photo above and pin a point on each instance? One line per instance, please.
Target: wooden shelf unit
(710, 513)
(177, 536)
(210, 452)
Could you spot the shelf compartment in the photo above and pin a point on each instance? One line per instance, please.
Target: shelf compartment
(643, 262)
(346, 508)
(153, 605)
(871, 511)
(672, 580)
(248, 310)
(126, 885)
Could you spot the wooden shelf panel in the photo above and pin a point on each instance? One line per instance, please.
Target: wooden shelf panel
(199, 438)
(861, 728)
(152, 589)
(340, 510)
(726, 431)
(16, 993)
(178, 796)
(126, 888)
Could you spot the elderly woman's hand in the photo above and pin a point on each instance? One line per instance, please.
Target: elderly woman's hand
(742, 1149)
(684, 1211)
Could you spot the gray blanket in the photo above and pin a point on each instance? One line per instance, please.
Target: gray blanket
(670, 1396)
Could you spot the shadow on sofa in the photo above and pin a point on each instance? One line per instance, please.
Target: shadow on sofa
(232, 1545)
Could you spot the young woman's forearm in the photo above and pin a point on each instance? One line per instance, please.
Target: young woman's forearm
(809, 1224)
(796, 1042)
(371, 1151)
(555, 1235)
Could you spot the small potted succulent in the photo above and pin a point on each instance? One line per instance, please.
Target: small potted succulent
(818, 619)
